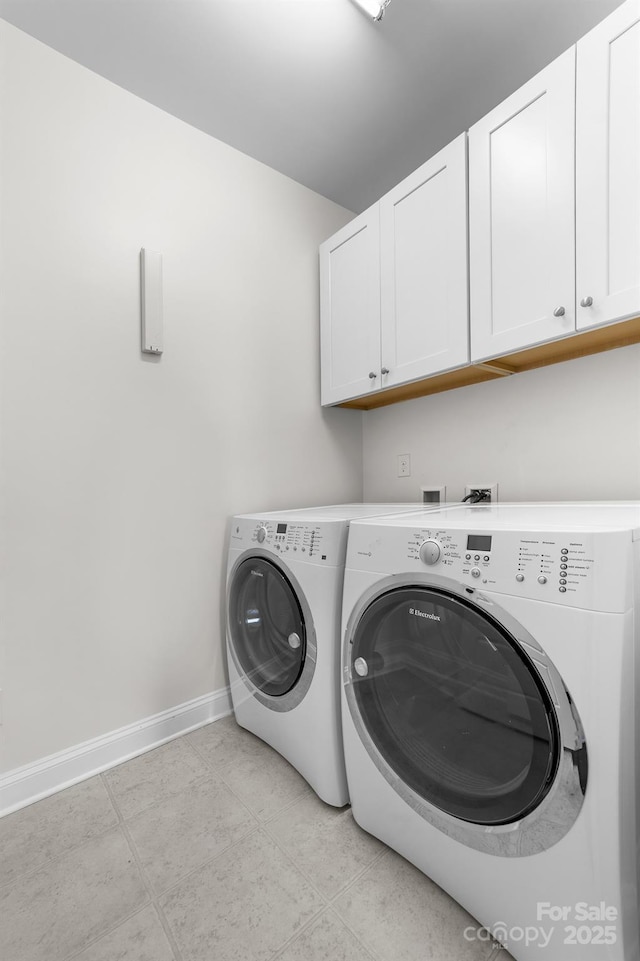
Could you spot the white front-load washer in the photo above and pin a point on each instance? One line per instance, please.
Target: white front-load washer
(284, 592)
(489, 715)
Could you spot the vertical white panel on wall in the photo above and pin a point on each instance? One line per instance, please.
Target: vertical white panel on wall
(151, 301)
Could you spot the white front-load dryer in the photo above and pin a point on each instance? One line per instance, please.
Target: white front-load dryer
(284, 592)
(489, 715)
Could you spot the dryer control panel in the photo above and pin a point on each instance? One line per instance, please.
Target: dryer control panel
(323, 542)
(585, 570)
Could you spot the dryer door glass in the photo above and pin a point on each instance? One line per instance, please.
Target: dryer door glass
(266, 626)
(454, 705)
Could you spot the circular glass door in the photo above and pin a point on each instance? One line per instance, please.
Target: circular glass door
(454, 706)
(266, 627)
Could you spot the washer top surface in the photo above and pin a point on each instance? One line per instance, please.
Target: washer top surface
(569, 516)
(337, 512)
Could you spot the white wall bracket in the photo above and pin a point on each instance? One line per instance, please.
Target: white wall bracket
(151, 301)
(433, 494)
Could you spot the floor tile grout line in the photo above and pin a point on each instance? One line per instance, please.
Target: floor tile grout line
(107, 931)
(265, 751)
(146, 880)
(313, 921)
(302, 930)
(254, 830)
(176, 742)
(330, 900)
(210, 776)
(257, 829)
(292, 860)
(285, 807)
(168, 932)
(134, 853)
(58, 857)
(171, 794)
(373, 954)
(183, 877)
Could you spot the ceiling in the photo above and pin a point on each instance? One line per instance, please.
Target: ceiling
(314, 88)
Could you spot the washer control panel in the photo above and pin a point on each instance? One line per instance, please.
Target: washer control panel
(590, 570)
(322, 543)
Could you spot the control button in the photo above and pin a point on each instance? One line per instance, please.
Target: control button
(467, 557)
(563, 567)
(564, 551)
(520, 578)
(476, 557)
(261, 535)
(475, 572)
(563, 582)
(430, 552)
(486, 557)
(542, 579)
(562, 590)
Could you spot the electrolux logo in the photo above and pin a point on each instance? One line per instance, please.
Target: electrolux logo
(416, 613)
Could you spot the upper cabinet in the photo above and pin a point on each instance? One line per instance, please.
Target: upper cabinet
(608, 170)
(423, 269)
(521, 215)
(393, 284)
(553, 238)
(350, 309)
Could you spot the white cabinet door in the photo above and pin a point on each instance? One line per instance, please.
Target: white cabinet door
(521, 216)
(350, 310)
(608, 170)
(424, 277)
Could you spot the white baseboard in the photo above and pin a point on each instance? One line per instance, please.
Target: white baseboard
(38, 780)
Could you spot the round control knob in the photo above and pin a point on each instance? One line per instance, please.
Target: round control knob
(430, 552)
(294, 641)
(361, 667)
(520, 578)
(261, 535)
(475, 572)
(542, 579)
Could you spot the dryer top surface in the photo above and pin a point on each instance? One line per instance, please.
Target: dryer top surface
(581, 516)
(336, 512)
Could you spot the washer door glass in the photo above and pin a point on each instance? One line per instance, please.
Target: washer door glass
(266, 626)
(454, 706)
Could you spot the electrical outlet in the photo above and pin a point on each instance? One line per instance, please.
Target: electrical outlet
(404, 465)
(492, 487)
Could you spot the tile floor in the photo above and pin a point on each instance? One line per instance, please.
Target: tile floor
(212, 848)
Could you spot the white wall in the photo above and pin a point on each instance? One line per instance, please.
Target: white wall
(119, 471)
(566, 432)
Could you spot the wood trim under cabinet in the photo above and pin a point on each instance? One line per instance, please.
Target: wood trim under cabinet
(577, 345)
